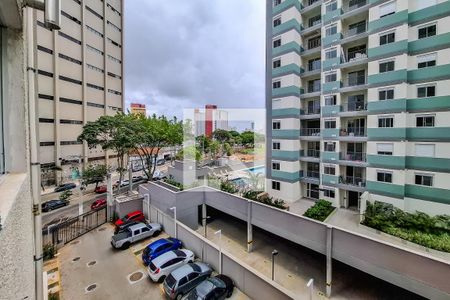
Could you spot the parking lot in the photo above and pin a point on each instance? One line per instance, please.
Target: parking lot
(92, 269)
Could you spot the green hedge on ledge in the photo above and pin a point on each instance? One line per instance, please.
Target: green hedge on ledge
(320, 210)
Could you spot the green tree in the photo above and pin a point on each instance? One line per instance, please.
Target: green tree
(65, 196)
(203, 143)
(94, 174)
(228, 149)
(221, 135)
(189, 152)
(214, 148)
(248, 138)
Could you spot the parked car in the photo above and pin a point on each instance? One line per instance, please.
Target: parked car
(124, 183)
(163, 265)
(65, 187)
(159, 247)
(99, 203)
(160, 162)
(101, 189)
(136, 216)
(213, 288)
(53, 204)
(134, 234)
(185, 278)
(137, 178)
(124, 227)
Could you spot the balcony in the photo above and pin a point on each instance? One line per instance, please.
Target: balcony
(314, 43)
(354, 4)
(313, 153)
(352, 180)
(354, 107)
(356, 30)
(352, 81)
(353, 156)
(313, 111)
(353, 132)
(355, 57)
(310, 4)
(310, 132)
(313, 174)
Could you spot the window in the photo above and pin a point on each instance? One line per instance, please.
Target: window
(329, 170)
(386, 94)
(421, 4)
(421, 179)
(385, 148)
(330, 123)
(114, 26)
(277, 22)
(425, 150)
(314, 20)
(331, 7)
(145, 229)
(97, 33)
(329, 146)
(113, 9)
(68, 58)
(276, 2)
(385, 122)
(94, 12)
(276, 145)
(328, 193)
(427, 31)
(428, 60)
(330, 100)
(387, 38)
(425, 121)
(332, 53)
(94, 49)
(331, 30)
(426, 91)
(276, 185)
(114, 59)
(330, 77)
(314, 42)
(182, 281)
(276, 84)
(95, 68)
(384, 176)
(314, 64)
(387, 66)
(277, 43)
(275, 166)
(387, 9)
(276, 63)
(276, 125)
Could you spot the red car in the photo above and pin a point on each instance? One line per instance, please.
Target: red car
(135, 216)
(99, 203)
(101, 189)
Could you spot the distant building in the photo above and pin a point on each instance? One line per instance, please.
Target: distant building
(210, 119)
(137, 108)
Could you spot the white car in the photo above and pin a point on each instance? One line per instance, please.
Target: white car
(164, 264)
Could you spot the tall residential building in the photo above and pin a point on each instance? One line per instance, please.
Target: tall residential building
(208, 120)
(358, 98)
(137, 108)
(80, 79)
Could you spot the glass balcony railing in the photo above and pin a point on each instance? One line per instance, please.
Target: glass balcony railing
(355, 106)
(313, 174)
(313, 111)
(354, 4)
(355, 30)
(354, 156)
(313, 153)
(310, 132)
(315, 65)
(353, 131)
(354, 80)
(314, 88)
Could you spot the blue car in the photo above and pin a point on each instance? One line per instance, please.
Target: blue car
(159, 247)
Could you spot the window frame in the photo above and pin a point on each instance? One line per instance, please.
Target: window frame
(394, 3)
(276, 21)
(387, 64)
(276, 165)
(424, 122)
(427, 33)
(276, 185)
(385, 176)
(385, 121)
(386, 35)
(422, 181)
(427, 91)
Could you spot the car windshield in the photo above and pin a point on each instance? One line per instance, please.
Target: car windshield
(204, 288)
(180, 253)
(170, 281)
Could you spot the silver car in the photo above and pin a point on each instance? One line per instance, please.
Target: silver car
(185, 278)
(164, 264)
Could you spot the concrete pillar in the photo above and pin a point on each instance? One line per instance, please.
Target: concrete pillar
(249, 227)
(329, 259)
(109, 196)
(204, 219)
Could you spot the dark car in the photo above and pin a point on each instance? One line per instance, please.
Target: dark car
(99, 203)
(135, 216)
(159, 247)
(65, 187)
(213, 288)
(53, 204)
(101, 189)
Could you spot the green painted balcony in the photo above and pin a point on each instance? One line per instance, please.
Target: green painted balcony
(285, 5)
(334, 38)
(286, 91)
(331, 86)
(434, 42)
(386, 134)
(431, 194)
(329, 179)
(396, 105)
(329, 156)
(429, 74)
(286, 133)
(429, 104)
(285, 155)
(331, 63)
(285, 112)
(286, 48)
(428, 134)
(386, 189)
(331, 15)
(388, 77)
(330, 133)
(330, 110)
(388, 21)
(286, 176)
(428, 164)
(386, 161)
(388, 49)
(287, 69)
(286, 26)
(428, 13)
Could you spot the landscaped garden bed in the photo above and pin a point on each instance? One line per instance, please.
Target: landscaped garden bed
(320, 210)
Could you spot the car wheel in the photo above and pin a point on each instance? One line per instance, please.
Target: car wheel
(156, 233)
(161, 279)
(126, 246)
(229, 294)
(179, 296)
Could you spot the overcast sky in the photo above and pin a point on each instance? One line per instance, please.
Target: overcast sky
(187, 53)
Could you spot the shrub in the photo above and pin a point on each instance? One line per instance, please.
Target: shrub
(228, 187)
(48, 251)
(320, 210)
(65, 196)
(251, 194)
(174, 183)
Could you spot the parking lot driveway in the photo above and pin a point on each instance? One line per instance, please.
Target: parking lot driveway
(110, 272)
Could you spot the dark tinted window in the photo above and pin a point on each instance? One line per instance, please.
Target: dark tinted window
(196, 268)
(170, 281)
(179, 253)
(192, 276)
(427, 31)
(183, 281)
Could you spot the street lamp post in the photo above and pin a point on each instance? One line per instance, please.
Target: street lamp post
(274, 253)
(310, 285)
(219, 232)
(205, 222)
(174, 221)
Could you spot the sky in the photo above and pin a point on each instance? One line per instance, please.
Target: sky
(188, 53)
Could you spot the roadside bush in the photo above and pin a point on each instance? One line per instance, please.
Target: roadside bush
(48, 251)
(320, 210)
(419, 228)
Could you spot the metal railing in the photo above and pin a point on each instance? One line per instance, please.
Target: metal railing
(313, 174)
(354, 156)
(354, 4)
(355, 30)
(311, 2)
(352, 180)
(353, 131)
(314, 88)
(356, 106)
(313, 153)
(310, 132)
(356, 55)
(354, 81)
(313, 111)
(314, 43)
(315, 65)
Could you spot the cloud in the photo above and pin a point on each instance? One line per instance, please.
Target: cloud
(184, 54)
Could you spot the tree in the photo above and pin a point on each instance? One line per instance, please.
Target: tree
(111, 133)
(94, 174)
(228, 149)
(65, 196)
(221, 135)
(248, 138)
(189, 152)
(214, 148)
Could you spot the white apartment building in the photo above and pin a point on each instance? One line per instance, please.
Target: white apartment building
(358, 98)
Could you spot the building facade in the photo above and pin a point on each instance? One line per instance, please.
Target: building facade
(137, 108)
(80, 78)
(210, 119)
(358, 98)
